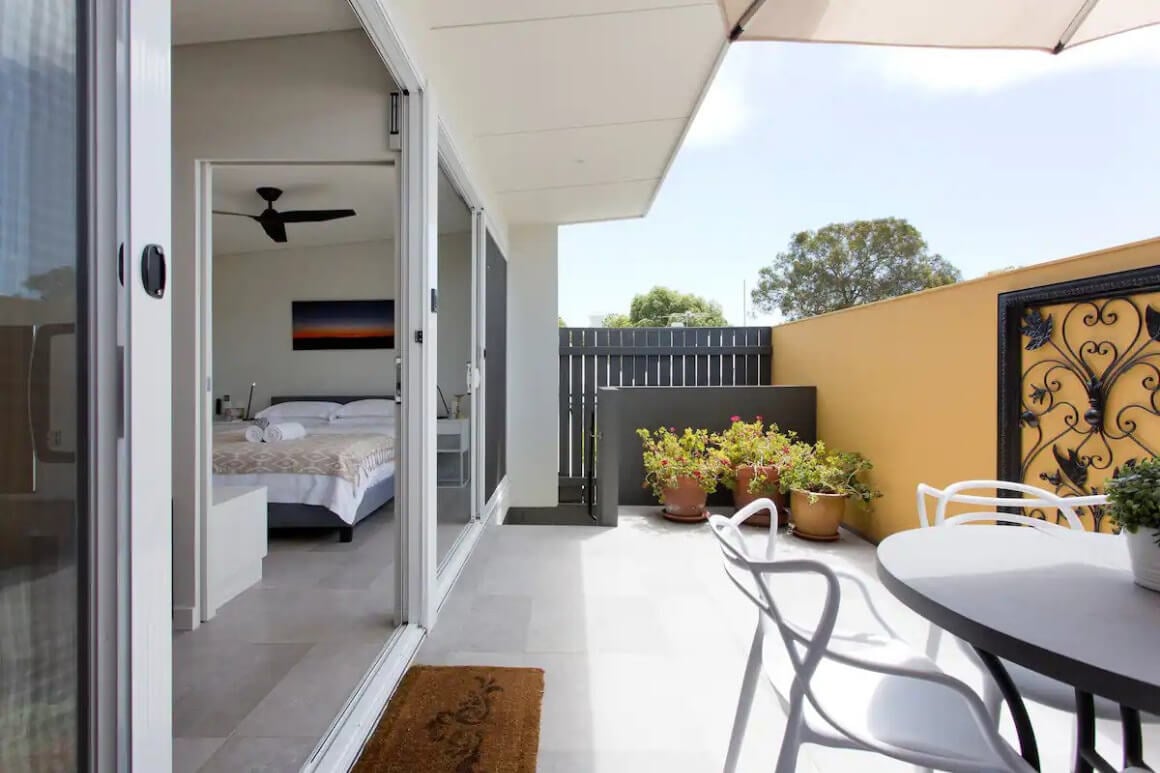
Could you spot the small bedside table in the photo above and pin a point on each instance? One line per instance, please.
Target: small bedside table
(453, 443)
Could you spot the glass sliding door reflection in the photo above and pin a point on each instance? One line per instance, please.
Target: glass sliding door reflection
(454, 423)
(41, 424)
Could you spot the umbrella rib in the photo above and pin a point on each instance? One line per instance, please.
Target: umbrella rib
(1077, 22)
(750, 12)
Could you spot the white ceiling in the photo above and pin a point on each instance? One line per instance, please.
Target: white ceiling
(210, 21)
(370, 190)
(577, 106)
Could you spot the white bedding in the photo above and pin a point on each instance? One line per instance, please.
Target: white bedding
(334, 493)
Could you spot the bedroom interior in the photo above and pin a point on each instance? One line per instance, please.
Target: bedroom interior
(300, 550)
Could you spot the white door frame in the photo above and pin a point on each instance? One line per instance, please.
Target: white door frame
(191, 611)
(144, 189)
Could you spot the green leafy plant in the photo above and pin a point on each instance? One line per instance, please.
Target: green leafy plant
(816, 469)
(669, 455)
(753, 444)
(1134, 496)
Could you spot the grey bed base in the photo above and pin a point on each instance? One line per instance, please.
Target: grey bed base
(286, 515)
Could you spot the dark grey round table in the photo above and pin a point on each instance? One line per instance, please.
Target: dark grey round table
(1063, 605)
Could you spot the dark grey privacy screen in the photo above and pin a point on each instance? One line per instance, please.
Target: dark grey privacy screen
(594, 358)
(495, 356)
(623, 410)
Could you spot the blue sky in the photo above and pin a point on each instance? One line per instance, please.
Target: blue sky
(998, 158)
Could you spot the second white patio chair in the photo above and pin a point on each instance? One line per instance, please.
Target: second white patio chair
(1032, 686)
(860, 690)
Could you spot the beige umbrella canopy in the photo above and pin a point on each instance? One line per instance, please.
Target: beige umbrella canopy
(1045, 25)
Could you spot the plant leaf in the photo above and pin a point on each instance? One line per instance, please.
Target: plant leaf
(1037, 328)
(1071, 466)
(1152, 320)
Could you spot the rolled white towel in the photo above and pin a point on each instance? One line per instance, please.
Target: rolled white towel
(253, 434)
(289, 430)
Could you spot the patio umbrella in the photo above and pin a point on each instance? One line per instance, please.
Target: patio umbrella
(1044, 25)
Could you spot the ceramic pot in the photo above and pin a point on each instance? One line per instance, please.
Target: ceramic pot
(685, 501)
(817, 520)
(1144, 554)
(741, 496)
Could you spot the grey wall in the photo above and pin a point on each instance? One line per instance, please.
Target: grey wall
(620, 470)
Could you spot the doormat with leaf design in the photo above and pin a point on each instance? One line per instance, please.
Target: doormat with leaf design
(459, 719)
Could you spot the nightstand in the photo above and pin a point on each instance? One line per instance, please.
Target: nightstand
(452, 452)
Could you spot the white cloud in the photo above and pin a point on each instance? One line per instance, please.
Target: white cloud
(724, 113)
(989, 71)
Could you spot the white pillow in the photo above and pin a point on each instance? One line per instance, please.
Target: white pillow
(304, 409)
(364, 409)
(361, 421)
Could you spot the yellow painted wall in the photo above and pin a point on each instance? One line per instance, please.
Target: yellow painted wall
(912, 382)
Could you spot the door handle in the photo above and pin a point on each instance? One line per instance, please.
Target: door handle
(40, 389)
(153, 270)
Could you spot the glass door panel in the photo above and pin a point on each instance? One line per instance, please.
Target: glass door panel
(454, 422)
(40, 418)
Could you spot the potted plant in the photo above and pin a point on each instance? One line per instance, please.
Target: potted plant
(752, 455)
(1134, 497)
(819, 481)
(681, 468)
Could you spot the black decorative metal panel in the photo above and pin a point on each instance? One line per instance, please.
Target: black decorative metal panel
(1079, 382)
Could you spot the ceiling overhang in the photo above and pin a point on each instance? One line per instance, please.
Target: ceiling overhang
(576, 107)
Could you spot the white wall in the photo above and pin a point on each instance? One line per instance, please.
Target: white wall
(319, 97)
(252, 294)
(533, 366)
(454, 315)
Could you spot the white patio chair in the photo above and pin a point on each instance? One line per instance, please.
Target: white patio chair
(1032, 686)
(858, 690)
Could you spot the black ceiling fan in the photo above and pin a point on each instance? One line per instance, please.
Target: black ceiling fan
(274, 222)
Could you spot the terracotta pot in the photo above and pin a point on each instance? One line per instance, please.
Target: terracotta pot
(820, 519)
(742, 497)
(685, 501)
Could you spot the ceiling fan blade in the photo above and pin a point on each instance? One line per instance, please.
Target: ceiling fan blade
(235, 214)
(314, 215)
(275, 229)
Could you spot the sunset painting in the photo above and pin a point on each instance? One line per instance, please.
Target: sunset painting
(343, 324)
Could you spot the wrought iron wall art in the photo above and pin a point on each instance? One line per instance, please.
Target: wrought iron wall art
(1079, 383)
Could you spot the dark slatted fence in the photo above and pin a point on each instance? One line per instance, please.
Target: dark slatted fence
(591, 358)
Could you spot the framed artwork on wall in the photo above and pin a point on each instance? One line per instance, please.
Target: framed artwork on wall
(342, 324)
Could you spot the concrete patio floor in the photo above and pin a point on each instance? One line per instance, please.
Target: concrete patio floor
(643, 642)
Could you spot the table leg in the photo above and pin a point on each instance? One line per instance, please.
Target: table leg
(1027, 745)
(1085, 732)
(1133, 738)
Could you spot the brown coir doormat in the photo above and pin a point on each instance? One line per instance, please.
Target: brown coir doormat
(459, 719)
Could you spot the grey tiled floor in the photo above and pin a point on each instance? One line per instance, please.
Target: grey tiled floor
(257, 687)
(643, 641)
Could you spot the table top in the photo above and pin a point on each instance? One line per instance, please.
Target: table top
(1061, 604)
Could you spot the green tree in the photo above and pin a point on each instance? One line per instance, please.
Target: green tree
(562, 322)
(616, 320)
(846, 264)
(662, 307)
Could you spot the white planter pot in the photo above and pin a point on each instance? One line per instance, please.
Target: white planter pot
(1145, 556)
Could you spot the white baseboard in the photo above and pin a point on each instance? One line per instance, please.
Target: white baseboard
(186, 618)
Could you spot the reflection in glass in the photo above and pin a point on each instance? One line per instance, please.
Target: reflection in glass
(39, 647)
(454, 422)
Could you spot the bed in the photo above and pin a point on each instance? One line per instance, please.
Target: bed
(336, 476)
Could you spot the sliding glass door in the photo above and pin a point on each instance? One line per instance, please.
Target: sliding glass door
(455, 425)
(44, 510)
